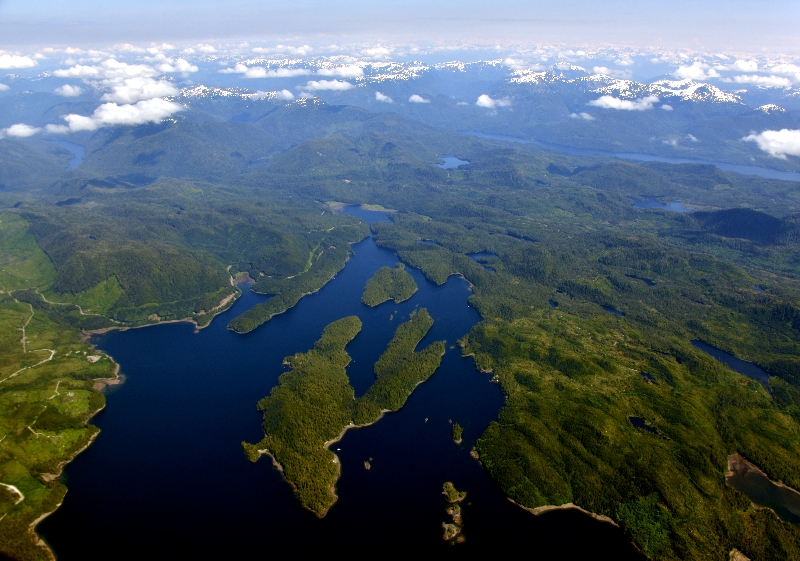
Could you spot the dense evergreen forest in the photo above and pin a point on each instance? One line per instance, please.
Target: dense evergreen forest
(314, 404)
(389, 284)
(588, 303)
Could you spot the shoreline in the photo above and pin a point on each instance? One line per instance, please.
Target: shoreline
(540, 510)
(224, 305)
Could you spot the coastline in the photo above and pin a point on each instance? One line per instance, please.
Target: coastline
(539, 510)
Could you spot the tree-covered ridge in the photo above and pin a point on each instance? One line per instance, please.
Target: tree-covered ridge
(314, 403)
(46, 392)
(389, 284)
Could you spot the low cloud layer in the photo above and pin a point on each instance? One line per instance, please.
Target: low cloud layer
(777, 143)
(486, 101)
(383, 98)
(610, 102)
(319, 85)
(697, 71)
(110, 114)
(68, 90)
(418, 99)
(763, 81)
(342, 72)
(584, 116)
(261, 72)
(132, 90)
(15, 62)
(3, 87)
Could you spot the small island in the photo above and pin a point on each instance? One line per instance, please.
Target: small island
(389, 284)
(457, 432)
(452, 531)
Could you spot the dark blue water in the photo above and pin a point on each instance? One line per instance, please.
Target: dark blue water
(742, 367)
(167, 475)
(76, 149)
(614, 311)
(640, 423)
(480, 256)
(746, 170)
(450, 162)
(651, 202)
(645, 280)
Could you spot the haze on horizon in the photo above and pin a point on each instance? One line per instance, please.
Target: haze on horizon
(767, 25)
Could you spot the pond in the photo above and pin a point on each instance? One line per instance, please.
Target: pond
(742, 367)
(450, 162)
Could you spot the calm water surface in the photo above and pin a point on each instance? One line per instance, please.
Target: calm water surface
(741, 366)
(76, 149)
(167, 475)
(450, 162)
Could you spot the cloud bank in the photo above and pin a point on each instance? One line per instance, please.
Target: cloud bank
(486, 101)
(261, 72)
(697, 71)
(610, 102)
(109, 114)
(68, 90)
(334, 85)
(15, 62)
(20, 130)
(778, 144)
(342, 71)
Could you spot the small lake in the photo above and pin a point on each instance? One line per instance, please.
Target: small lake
(736, 168)
(614, 311)
(742, 367)
(76, 149)
(652, 203)
(481, 256)
(450, 162)
(748, 479)
(640, 423)
(167, 472)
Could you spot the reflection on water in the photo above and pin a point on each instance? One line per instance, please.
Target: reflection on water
(750, 480)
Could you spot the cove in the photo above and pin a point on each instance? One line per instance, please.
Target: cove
(167, 475)
(736, 168)
(761, 490)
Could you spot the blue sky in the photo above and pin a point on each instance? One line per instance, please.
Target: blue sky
(721, 24)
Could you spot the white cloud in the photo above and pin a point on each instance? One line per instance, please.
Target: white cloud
(343, 72)
(671, 142)
(181, 66)
(418, 99)
(383, 98)
(462, 103)
(20, 130)
(745, 66)
(623, 62)
(15, 62)
(205, 49)
(377, 52)
(261, 72)
(335, 85)
(584, 116)
(132, 90)
(3, 87)
(692, 137)
(611, 72)
(110, 114)
(697, 71)
(609, 102)
(777, 143)
(68, 90)
(764, 81)
(285, 95)
(486, 101)
(666, 107)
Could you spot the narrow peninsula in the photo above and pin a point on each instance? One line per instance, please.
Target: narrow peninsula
(314, 404)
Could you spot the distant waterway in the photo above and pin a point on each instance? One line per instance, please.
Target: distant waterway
(76, 149)
(167, 473)
(736, 168)
(742, 367)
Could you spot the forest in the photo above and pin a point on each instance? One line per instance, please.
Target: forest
(589, 304)
(389, 284)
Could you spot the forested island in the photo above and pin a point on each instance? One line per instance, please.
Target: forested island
(389, 284)
(314, 404)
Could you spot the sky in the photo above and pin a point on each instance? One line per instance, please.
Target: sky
(764, 25)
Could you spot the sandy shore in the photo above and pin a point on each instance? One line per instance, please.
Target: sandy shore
(538, 511)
